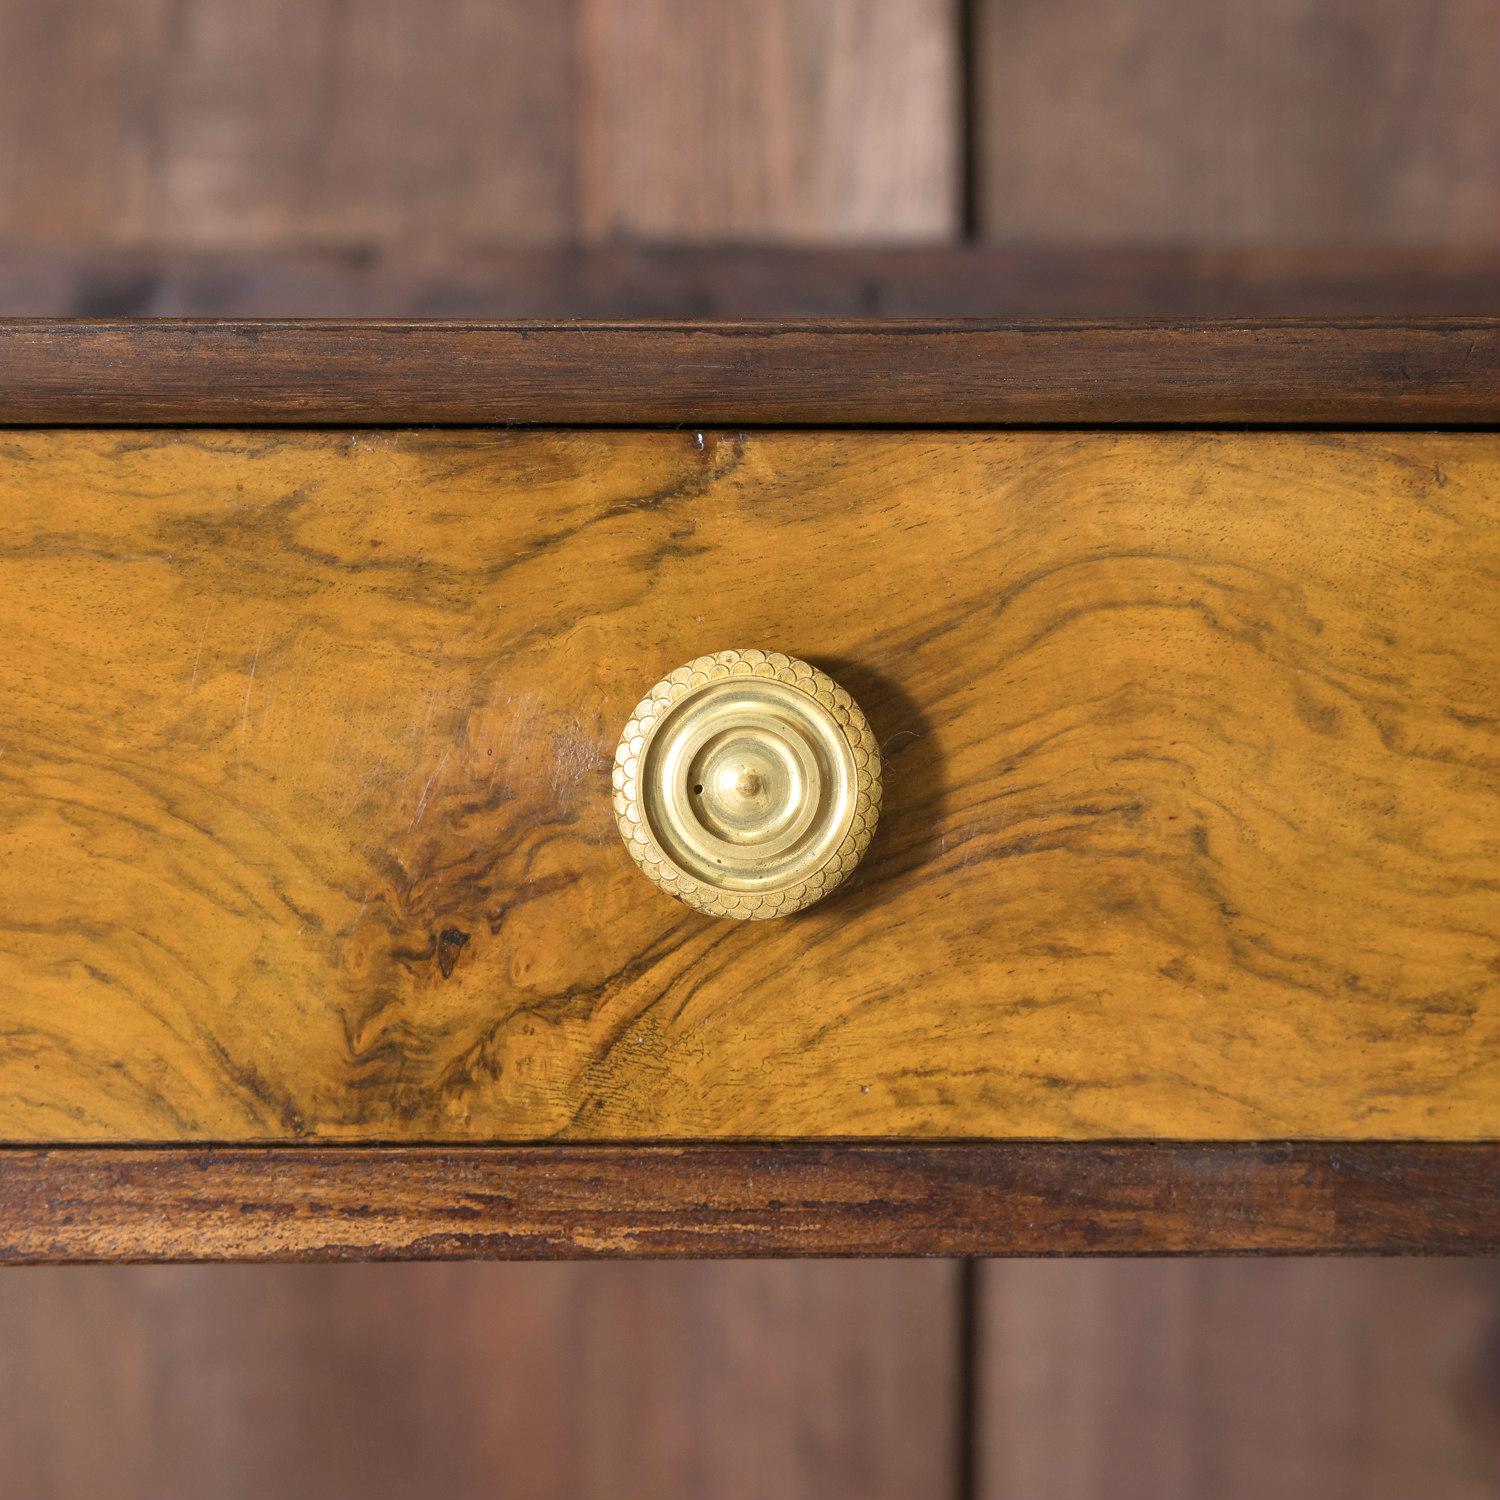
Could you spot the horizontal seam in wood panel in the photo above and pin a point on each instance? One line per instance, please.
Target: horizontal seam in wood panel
(1310, 429)
(770, 1144)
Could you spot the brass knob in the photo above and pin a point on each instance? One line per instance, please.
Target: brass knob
(747, 784)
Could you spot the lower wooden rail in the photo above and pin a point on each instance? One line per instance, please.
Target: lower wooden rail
(320, 1203)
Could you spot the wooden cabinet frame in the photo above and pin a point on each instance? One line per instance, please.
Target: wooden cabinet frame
(315, 1202)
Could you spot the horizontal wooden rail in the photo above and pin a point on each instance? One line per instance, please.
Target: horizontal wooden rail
(68, 1204)
(1290, 372)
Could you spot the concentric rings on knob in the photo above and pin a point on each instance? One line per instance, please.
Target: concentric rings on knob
(747, 784)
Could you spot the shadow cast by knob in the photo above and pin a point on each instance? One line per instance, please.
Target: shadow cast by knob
(915, 789)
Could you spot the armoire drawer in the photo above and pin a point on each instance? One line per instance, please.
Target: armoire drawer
(1190, 739)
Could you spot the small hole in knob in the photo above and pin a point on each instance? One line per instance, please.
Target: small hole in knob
(698, 790)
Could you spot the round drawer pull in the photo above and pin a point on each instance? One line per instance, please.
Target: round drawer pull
(747, 784)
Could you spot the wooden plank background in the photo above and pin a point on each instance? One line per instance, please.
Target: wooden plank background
(1242, 1380)
(631, 157)
(661, 1381)
(1295, 122)
(617, 157)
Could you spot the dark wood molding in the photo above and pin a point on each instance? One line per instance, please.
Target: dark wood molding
(1290, 372)
(75, 1204)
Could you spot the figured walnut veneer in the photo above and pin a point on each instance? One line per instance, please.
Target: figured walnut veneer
(1192, 813)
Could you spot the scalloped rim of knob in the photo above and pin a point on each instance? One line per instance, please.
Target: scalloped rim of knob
(692, 677)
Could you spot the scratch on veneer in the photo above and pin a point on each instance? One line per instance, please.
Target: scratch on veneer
(197, 659)
(437, 771)
(245, 706)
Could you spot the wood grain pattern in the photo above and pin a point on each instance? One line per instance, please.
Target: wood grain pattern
(536, 122)
(281, 1203)
(1302, 1379)
(287, 121)
(1290, 373)
(1190, 825)
(556, 1382)
(801, 122)
(763, 281)
(1176, 122)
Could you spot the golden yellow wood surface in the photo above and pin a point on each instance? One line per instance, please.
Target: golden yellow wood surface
(1192, 816)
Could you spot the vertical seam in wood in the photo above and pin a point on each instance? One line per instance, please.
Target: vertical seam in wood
(966, 20)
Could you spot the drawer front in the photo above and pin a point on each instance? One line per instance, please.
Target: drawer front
(1191, 814)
